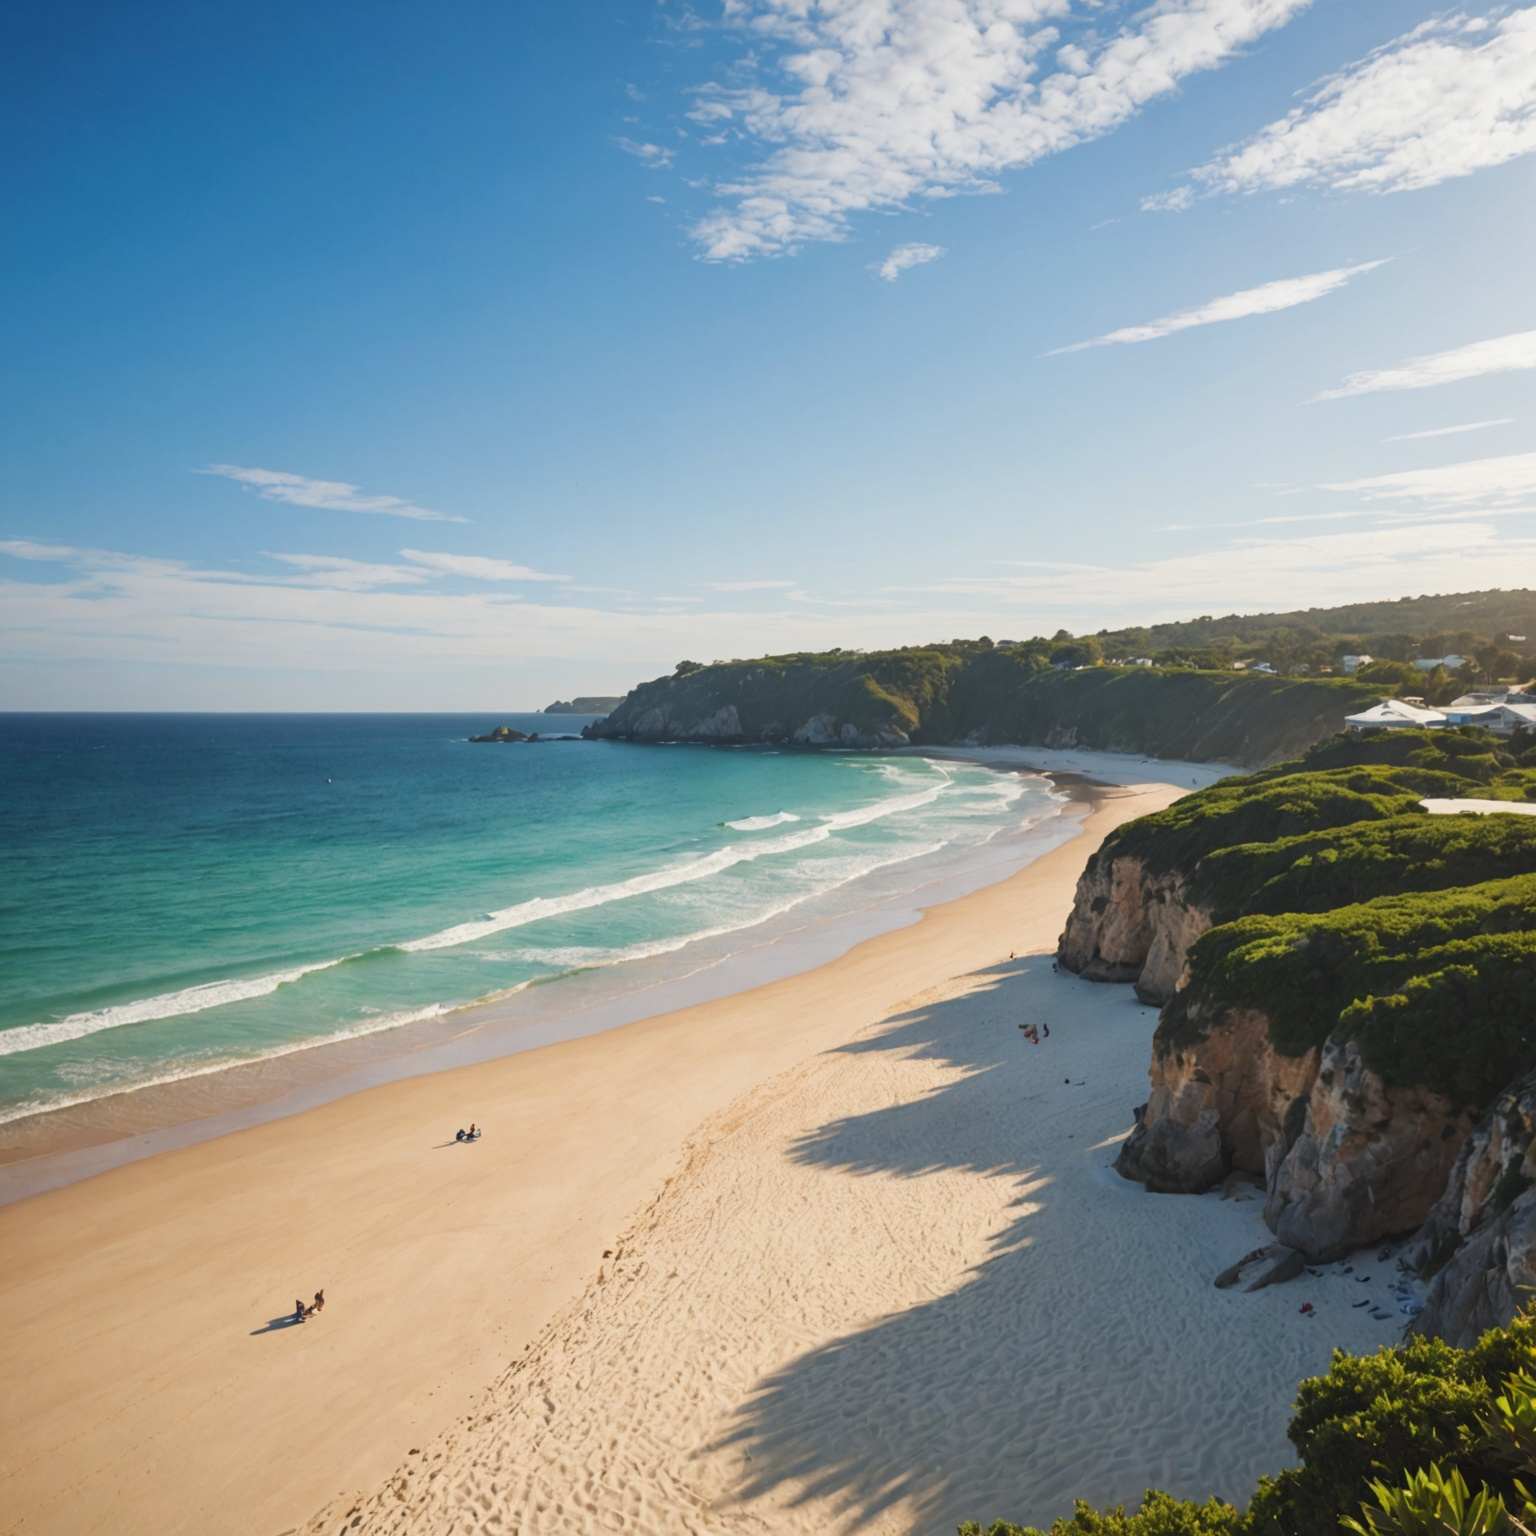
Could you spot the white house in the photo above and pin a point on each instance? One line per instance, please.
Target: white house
(1501, 719)
(1450, 663)
(1394, 715)
(1142, 661)
(1262, 666)
(1353, 664)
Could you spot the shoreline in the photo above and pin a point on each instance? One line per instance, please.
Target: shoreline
(149, 1290)
(60, 1145)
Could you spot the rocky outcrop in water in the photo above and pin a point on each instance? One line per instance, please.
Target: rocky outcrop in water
(1345, 1160)
(503, 733)
(1479, 1241)
(1130, 924)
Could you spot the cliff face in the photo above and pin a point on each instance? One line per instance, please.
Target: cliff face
(1345, 1160)
(1130, 924)
(1479, 1240)
(979, 694)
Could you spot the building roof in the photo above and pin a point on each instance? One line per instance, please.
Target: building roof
(1396, 712)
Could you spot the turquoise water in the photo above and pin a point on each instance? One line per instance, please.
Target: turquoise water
(180, 893)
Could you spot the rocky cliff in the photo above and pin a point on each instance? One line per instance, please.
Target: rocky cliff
(1300, 837)
(1349, 989)
(1345, 1159)
(1129, 923)
(1479, 1241)
(975, 692)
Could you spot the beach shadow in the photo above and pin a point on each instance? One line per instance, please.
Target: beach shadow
(997, 1399)
(276, 1325)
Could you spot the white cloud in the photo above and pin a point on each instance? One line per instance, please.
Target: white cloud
(1500, 354)
(882, 101)
(329, 495)
(1287, 293)
(746, 586)
(30, 549)
(904, 257)
(479, 567)
(652, 155)
(1453, 96)
(1480, 482)
(352, 575)
(158, 633)
(1175, 201)
(1469, 426)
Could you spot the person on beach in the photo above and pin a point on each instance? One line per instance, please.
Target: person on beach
(1046, 1028)
(459, 1135)
(319, 1305)
(474, 1132)
(299, 1314)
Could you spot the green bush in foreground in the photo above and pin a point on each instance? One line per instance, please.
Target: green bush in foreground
(1389, 1444)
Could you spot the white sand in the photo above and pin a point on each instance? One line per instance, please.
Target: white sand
(894, 1287)
(1126, 769)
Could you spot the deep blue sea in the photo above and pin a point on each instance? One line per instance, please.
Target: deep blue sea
(179, 893)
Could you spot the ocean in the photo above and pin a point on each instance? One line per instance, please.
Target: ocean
(183, 893)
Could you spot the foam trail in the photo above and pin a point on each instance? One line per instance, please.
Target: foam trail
(372, 1026)
(583, 957)
(539, 907)
(167, 1005)
(762, 823)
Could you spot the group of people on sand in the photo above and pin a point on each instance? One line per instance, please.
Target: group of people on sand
(301, 1312)
(1034, 1032)
(474, 1133)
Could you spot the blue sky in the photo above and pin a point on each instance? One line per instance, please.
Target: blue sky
(408, 357)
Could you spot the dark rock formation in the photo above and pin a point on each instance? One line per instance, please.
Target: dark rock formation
(583, 704)
(505, 733)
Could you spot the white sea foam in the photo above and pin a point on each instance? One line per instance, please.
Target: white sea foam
(372, 1025)
(167, 1005)
(538, 908)
(762, 823)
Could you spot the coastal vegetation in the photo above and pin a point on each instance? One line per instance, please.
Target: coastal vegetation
(1241, 689)
(1417, 1439)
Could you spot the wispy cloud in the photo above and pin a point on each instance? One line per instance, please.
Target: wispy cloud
(351, 575)
(1500, 354)
(905, 257)
(1480, 482)
(478, 567)
(1267, 299)
(1453, 96)
(875, 103)
(746, 586)
(1469, 426)
(328, 495)
(656, 156)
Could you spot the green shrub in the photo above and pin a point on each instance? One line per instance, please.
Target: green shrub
(1158, 1515)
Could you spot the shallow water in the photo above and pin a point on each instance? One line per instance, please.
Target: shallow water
(180, 893)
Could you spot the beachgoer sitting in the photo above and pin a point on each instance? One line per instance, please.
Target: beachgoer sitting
(319, 1305)
(474, 1132)
(459, 1135)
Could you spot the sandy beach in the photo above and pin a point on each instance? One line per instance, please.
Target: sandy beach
(841, 1252)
